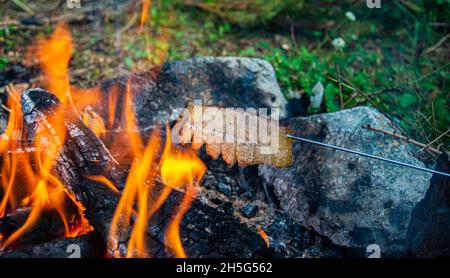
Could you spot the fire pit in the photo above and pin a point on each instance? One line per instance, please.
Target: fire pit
(96, 172)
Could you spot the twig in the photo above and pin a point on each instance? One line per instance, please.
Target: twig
(293, 38)
(349, 85)
(24, 7)
(371, 94)
(403, 137)
(129, 24)
(340, 86)
(428, 75)
(437, 45)
(361, 93)
(437, 138)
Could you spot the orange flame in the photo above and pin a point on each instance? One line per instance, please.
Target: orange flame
(42, 189)
(264, 236)
(7, 142)
(180, 169)
(54, 55)
(112, 102)
(93, 121)
(144, 13)
(36, 186)
(136, 191)
(137, 186)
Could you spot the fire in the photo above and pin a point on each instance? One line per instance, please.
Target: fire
(138, 184)
(181, 170)
(93, 121)
(27, 178)
(144, 13)
(54, 56)
(35, 186)
(178, 170)
(136, 190)
(264, 236)
(8, 142)
(112, 101)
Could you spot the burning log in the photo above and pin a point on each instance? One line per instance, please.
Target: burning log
(82, 147)
(49, 226)
(205, 232)
(81, 155)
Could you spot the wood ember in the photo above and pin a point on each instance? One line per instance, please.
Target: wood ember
(206, 232)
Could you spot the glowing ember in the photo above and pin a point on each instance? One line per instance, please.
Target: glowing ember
(264, 236)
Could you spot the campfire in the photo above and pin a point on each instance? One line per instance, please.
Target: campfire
(61, 179)
(181, 159)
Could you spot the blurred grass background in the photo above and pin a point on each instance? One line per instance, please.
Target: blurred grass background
(395, 58)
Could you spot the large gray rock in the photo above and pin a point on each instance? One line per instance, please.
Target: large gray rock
(160, 93)
(429, 229)
(228, 81)
(352, 200)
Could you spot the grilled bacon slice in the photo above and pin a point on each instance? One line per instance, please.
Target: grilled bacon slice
(235, 134)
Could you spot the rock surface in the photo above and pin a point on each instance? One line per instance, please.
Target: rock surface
(351, 200)
(161, 93)
(429, 229)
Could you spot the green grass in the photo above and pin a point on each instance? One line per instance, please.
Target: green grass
(382, 53)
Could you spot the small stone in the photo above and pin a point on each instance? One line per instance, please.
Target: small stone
(249, 210)
(228, 208)
(224, 189)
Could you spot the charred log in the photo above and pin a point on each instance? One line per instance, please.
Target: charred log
(70, 247)
(81, 155)
(206, 232)
(49, 226)
(85, 153)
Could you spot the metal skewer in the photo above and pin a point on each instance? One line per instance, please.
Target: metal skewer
(29, 148)
(368, 155)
